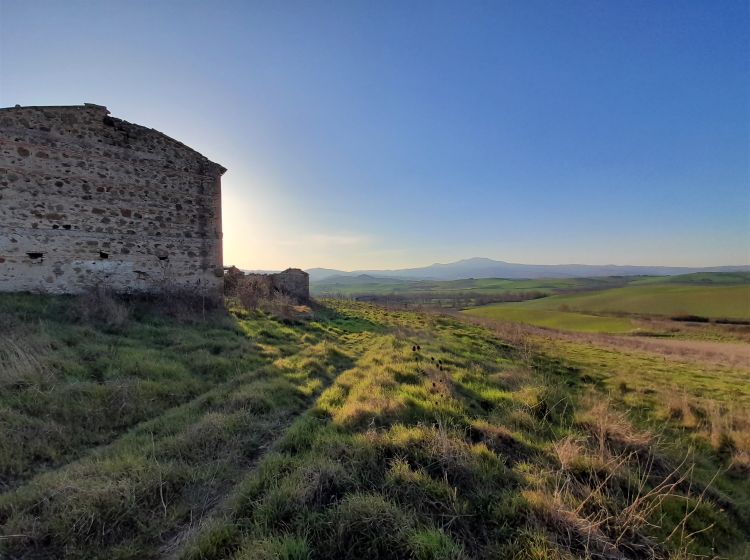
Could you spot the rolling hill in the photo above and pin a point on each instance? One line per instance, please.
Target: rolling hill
(358, 432)
(479, 267)
(715, 296)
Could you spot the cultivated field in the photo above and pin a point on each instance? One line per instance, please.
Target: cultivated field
(159, 431)
(566, 303)
(563, 320)
(368, 285)
(668, 299)
(697, 297)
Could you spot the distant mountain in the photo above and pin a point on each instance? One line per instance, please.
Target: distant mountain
(479, 267)
(320, 273)
(359, 279)
(259, 271)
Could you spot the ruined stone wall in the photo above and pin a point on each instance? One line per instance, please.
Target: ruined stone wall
(293, 282)
(87, 200)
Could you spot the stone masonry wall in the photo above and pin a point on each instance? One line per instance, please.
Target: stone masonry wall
(89, 200)
(292, 282)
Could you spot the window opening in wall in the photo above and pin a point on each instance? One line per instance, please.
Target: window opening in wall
(103, 255)
(34, 255)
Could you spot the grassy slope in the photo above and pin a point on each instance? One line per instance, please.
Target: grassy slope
(696, 404)
(399, 459)
(650, 374)
(698, 278)
(710, 295)
(483, 286)
(493, 286)
(328, 439)
(114, 440)
(579, 322)
(669, 299)
(76, 386)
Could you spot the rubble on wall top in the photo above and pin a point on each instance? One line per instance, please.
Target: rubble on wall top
(84, 106)
(103, 109)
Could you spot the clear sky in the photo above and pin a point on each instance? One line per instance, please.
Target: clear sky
(399, 133)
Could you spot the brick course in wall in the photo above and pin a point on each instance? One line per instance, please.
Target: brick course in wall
(89, 200)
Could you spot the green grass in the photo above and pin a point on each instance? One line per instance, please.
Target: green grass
(574, 304)
(713, 296)
(359, 433)
(668, 300)
(568, 321)
(399, 459)
(650, 374)
(79, 385)
(481, 286)
(353, 286)
(698, 278)
(695, 405)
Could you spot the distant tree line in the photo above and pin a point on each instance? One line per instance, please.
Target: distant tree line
(449, 300)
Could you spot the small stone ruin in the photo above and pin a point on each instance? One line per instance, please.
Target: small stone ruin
(90, 201)
(292, 282)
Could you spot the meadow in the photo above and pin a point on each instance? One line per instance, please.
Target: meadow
(579, 304)
(352, 431)
(719, 297)
(564, 320)
(667, 299)
(368, 285)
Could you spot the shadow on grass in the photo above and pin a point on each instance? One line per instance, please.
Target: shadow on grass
(142, 427)
(70, 384)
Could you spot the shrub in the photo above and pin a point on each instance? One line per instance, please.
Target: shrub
(22, 360)
(690, 318)
(100, 306)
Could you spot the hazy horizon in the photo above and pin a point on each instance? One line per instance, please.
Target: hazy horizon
(443, 263)
(361, 136)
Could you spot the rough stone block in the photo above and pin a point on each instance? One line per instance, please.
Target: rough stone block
(90, 200)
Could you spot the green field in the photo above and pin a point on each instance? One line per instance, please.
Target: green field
(666, 299)
(698, 278)
(136, 430)
(354, 286)
(579, 304)
(714, 296)
(579, 322)
(368, 285)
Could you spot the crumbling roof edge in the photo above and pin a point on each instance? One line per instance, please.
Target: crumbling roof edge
(84, 106)
(106, 111)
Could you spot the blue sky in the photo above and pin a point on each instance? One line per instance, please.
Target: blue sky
(389, 134)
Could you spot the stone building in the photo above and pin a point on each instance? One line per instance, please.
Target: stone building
(292, 282)
(90, 200)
